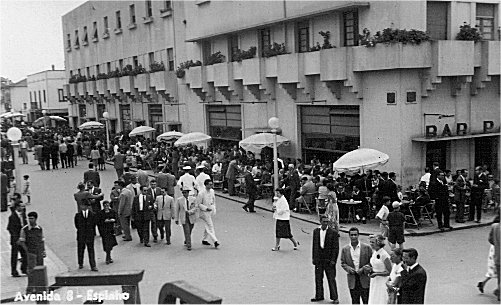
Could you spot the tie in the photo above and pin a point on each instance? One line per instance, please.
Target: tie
(135, 191)
(163, 200)
(153, 192)
(85, 214)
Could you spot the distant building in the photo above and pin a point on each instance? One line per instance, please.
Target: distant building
(19, 98)
(5, 105)
(45, 92)
(437, 101)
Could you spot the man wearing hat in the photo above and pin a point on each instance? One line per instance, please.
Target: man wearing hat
(187, 180)
(186, 213)
(201, 177)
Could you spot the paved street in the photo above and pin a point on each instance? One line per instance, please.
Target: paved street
(243, 269)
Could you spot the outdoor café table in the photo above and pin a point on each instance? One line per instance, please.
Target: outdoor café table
(351, 208)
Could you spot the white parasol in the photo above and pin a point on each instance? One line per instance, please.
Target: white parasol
(192, 138)
(92, 125)
(259, 141)
(169, 136)
(52, 117)
(360, 159)
(141, 130)
(10, 115)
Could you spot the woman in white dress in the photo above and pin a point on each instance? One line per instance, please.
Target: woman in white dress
(393, 282)
(381, 267)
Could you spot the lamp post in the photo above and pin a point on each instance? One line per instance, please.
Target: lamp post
(44, 113)
(274, 124)
(14, 134)
(106, 116)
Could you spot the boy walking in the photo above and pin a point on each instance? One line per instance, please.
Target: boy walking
(396, 221)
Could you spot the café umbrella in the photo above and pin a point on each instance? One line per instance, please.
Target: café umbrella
(52, 117)
(141, 130)
(192, 138)
(360, 159)
(259, 141)
(169, 136)
(92, 125)
(10, 115)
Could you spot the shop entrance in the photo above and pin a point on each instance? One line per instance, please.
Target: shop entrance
(486, 152)
(436, 152)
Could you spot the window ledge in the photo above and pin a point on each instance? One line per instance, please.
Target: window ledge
(85, 43)
(68, 49)
(165, 13)
(200, 2)
(132, 26)
(118, 31)
(77, 47)
(95, 39)
(106, 35)
(147, 20)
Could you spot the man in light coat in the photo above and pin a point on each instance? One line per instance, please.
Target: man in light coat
(187, 180)
(142, 176)
(206, 202)
(124, 208)
(201, 177)
(186, 213)
(165, 213)
(231, 175)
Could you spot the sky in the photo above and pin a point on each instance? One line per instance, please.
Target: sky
(31, 36)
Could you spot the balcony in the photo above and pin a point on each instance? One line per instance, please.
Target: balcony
(453, 58)
(142, 82)
(194, 77)
(102, 86)
(91, 88)
(248, 70)
(82, 88)
(113, 85)
(392, 56)
(165, 81)
(492, 52)
(126, 83)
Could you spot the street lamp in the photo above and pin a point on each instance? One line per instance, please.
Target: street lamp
(106, 116)
(274, 124)
(44, 113)
(14, 134)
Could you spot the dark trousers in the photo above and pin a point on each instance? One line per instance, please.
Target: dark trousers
(443, 211)
(90, 250)
(231, 187)
(460, 211)
(120, 172)
(34, 259)
(476, 204)
(63, 160)
(187, 228)
(164, 228)
(250, 202)
(47, 163)
(143, 229)
(292, 199)
(4, 202)
(69, 161)
(330, 272)
(14, 254)
(362, 209)
(359, 292)
(153, 222)
(54, 162)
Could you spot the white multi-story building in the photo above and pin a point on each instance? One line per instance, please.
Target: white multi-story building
(437, 101)
(19, 97)
(45, 92)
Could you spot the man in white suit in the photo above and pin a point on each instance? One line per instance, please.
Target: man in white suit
(165, 213)
(206, 202)
(186, 213)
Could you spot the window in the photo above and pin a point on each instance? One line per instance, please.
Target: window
(68, 41)
(82, 111)
(35, 95)
(39, 96)
(151, 57)
(121, 64)
(233, 45)
(436, 19)
(101, 108)
(44, 97)
(264, 40)
(106, 27)
(125, 116)
(485, 20)
(206, 50)
(60, 94)
(411, 97)
(31, 100)
(132, 11)
(119, 20)
(350, 28)
(170, 58)
(88, 72)
(94, 31)
(156, 116)
(25, 106)
(391, 98)
(225, 124)
(149, 9)
(77, 42)
(167, 5)
(86, 38)
(303, 36)
(108, 67)
(135, 61)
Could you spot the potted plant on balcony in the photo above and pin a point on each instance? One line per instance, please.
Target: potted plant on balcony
(240, 55)
(141, 78)
(215, 58)
(181, 69)
(467, 32)
(325, 45)
(274, 50)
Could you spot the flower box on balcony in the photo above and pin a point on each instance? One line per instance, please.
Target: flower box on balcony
(82, 88)
(194, 77)
(113, 85)
(251, 71)
(288, 68)
(270, 66)
(126, 83)
(453, 57)
(209, 73)
(311, 62)
(142, 82)
(222, 74)
(101, 86)
(391, 56)
(333, 64)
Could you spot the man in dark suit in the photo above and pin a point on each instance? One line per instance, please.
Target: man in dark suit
(478, 188)
(355, 260)
(325, 253)
(4, 179)
(17, 220)
(93, 175)
(142, 208)
(251, 189)
(95, 201)
(439, 191)
(413, 279)
(153, 192)
(85, 223)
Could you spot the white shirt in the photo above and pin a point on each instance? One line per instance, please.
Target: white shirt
(412, 267)
(282, 211)
(426, 178)
(322, 237)
(355, 255)
(383, 212)
(216, 168)
(200, 181)
(187, 181)
(207, 199)
(85, 213)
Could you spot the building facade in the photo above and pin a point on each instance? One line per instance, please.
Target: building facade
(19, 97)
(46, 92)
(303, 62)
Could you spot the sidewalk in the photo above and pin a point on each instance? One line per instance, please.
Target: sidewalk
(11, 285)
(371, 227)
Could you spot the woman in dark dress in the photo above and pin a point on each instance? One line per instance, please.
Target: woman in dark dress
(106, 223)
